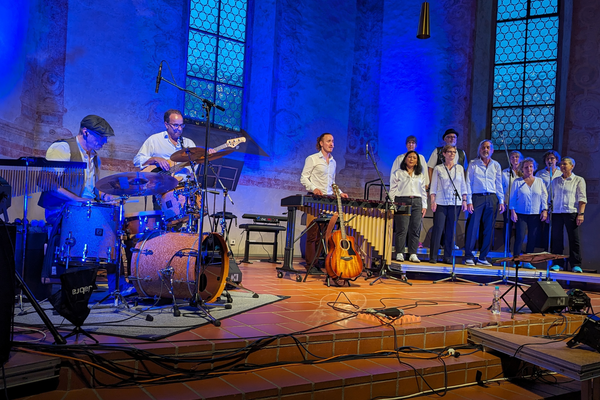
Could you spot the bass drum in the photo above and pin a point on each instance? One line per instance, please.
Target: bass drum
(153, 256)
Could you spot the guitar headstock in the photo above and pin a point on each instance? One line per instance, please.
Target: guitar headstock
(235, 142)
(336, 190)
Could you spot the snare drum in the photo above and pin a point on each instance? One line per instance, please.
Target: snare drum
(88, 233)
(140, 223)
(152, 257)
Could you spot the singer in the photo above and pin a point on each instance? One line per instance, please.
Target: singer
(448, 198)
(407, 185)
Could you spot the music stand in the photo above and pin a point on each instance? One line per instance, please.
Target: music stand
(530, 258)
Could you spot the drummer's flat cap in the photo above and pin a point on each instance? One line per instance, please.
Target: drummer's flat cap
(97, 125)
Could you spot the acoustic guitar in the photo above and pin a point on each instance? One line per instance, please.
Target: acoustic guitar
(176, 167)
(342, 261)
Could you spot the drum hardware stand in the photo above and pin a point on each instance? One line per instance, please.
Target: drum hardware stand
(390, 207)
(167, 275)
(456, 196)
(196, 300)
(118, 298)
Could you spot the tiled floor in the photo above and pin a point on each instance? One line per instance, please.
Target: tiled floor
(446, 310)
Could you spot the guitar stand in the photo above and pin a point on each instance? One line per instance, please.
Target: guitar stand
(322, 246)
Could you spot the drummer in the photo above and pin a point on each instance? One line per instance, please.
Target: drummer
(93, 134)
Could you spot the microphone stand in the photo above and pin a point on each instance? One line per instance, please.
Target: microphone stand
(507, 230)
(225, 233)
(550, 208)
(196, 299)
(456, 196)
(390, 207)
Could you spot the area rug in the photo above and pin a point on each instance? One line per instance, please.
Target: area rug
(146, 322)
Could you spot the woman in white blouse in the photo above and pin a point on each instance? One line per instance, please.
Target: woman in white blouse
(448, 193)
(568, 205)
(515, 158)
(407, 186)
(528, 208)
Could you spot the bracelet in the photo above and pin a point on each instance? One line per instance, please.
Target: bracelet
(580, 214)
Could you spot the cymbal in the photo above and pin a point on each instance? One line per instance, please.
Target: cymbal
(136, 184)
(197, 154)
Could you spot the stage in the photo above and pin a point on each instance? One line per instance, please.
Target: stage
(312, 344)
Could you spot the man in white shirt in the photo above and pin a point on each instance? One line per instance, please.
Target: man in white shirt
(158, 148)
(450, 137)
(485, 197)
(318, 176)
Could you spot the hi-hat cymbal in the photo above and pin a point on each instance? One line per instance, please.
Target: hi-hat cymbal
(197, 154)
(136, 184)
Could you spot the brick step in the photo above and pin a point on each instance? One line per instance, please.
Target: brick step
(349, 379)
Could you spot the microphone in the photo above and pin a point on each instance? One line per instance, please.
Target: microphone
(211, 104)
(159, 76)
(367, 150)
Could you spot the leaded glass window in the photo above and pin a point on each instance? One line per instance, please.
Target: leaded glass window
(215, 60)
(525, 69)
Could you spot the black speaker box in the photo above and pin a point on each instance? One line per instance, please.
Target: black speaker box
(545, 296)
(235, 275)
(7, 290)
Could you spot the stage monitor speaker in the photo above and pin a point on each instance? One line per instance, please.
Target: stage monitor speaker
(588, 334)
(235, 275)
(545, 296)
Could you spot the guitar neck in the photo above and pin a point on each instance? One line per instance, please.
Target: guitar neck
(341, 213)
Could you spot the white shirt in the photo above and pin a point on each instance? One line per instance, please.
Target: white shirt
(159, 145)
(399, 159)
(404, 185)
(567, 193)
(506, 178)
(318, 174)
(528, 200)
(60, 151)
(442, 187)
(544, 175)
(433, 158)
(484, 179)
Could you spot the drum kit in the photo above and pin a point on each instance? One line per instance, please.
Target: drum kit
(161, 245)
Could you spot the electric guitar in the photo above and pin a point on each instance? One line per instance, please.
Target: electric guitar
(342, 261)
(175, 167)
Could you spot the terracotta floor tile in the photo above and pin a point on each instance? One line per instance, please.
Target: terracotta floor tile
(215, 388)
(319, 377)
(122, 393)
(171, 391)
(349, 374)
(286, 381)
(252, 385)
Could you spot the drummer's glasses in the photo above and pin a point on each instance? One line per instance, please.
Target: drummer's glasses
(176, 127)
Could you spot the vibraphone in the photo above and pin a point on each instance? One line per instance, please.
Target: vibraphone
(29, 175)
(365, 219)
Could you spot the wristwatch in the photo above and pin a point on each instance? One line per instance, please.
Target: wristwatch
(578, 214)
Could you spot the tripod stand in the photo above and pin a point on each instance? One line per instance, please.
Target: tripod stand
(530, 258)
(390, 207)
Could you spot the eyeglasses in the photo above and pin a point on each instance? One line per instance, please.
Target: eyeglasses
(176, 127)
(451, 136)
(451, 152)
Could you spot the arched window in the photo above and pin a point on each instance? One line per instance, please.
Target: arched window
(525, 71)
(215, 61)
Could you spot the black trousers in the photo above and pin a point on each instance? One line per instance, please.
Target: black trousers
(485, 207)
(531, 224)
(560, 222)
(443, 222)
(408, 226)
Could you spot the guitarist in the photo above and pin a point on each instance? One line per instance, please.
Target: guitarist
(318, 176)
(158, 148)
